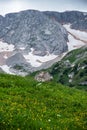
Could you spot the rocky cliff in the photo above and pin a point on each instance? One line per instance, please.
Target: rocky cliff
(33, 29)
(78, 20)
(29, 36)
(32, 40)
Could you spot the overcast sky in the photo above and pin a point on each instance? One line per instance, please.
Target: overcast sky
(7, 6)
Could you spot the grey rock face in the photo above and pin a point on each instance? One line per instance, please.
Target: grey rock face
(81, 25)
(33, 29)
(18, 65)
(15, 59)
(78, 20)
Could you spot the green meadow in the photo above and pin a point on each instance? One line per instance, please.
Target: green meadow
(26, 104)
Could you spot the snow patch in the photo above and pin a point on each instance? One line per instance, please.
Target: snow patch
(73, 43)
(80, 34)
(5, 56)
(47, 32)
(37, 61)
(22, 48)
(6, 69)
(6, 47)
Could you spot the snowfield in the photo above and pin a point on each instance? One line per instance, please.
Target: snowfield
(22, 48)
(37, 61)
(80, 34)
(73, 43)
(5, 56)
(6, 47)
(6, 69)
(76, 38)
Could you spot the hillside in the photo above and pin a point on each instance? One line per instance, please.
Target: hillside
(29, 105)
(72, 69)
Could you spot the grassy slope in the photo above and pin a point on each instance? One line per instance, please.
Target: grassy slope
(28, 105)
(60, 70)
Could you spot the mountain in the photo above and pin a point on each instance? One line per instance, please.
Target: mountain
(32, 34)
(32, 40)
(72, 69)
(33, 29)
(75, 23)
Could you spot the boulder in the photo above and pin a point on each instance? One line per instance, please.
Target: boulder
(43, 76)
